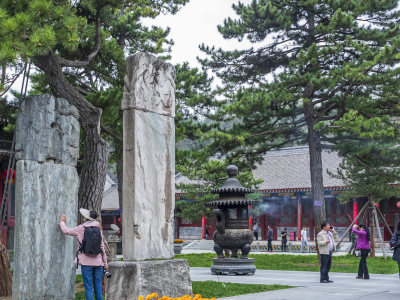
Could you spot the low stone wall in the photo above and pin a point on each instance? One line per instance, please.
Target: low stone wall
(190, 233)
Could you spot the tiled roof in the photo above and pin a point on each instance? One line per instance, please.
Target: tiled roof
(285, 169)
(289, 168)
(179, 179)
(110, 193)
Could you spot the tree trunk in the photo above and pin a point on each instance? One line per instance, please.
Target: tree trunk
(317, 184)
(314, 139)
(93, 174)
(371, 225)
(5, 272)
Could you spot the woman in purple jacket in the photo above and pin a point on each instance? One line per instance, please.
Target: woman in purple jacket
(363, 238)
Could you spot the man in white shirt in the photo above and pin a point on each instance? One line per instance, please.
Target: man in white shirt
(304, 239)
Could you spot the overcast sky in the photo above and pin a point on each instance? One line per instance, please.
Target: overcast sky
(196, 23)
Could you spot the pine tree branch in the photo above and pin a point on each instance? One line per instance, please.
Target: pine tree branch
(110, 132)
(81, 82)
(283, 130)
(79, 64)
(12, 81)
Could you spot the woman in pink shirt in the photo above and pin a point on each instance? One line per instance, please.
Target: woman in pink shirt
(91, 264)
(363, 238)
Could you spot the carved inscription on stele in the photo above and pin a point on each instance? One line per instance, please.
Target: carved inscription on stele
(149, 85)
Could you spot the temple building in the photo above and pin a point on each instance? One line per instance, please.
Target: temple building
(286, 200)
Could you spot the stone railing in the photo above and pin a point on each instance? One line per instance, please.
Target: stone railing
(257, 247)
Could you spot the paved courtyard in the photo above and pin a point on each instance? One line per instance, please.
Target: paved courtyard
(345, 285)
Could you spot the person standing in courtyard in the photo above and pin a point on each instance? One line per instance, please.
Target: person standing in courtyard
(363, 238)
(91, 254)
(255, 231)
(353, 238)
(395, 245)
(284, 239)
(326, 244)
(270, 235)
(207, 232)
(304, 239)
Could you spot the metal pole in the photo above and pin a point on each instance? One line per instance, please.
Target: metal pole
(379, 232)
(11, 161)
(352, 223)
(384, 221)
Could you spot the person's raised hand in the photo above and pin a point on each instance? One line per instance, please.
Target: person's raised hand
(63, 218)
(327, 242)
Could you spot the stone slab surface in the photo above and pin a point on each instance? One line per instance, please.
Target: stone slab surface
(149, 85)
(47, 129)
(344, 286)
(149, 185)
(130, 280)
(44, 257)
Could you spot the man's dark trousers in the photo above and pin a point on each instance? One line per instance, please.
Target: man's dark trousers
(326, 261)
(283, 246)
(269, 245)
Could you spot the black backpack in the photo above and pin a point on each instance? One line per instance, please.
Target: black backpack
(91, 241)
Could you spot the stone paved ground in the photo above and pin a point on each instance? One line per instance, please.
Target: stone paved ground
(345, 285)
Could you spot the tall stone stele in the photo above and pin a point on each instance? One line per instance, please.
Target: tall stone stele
(149, 158)
(148, 186)
(47, 148)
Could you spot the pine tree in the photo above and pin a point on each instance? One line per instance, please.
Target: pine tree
(312, 61)
(195, 106)
(370, 168)
(371, 154)
(80, 48)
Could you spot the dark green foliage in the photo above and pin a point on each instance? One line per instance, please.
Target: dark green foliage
(69, 29)
(371, 169)
(312, 62)
(328, 62)
(195, 108)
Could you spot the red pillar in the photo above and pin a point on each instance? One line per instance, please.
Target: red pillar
(355, 209)
(263, 225)
(203, 227)
(250, 219)
(299, 217)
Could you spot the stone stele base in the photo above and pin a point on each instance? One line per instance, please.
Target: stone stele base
(233, 266)
(129, 280)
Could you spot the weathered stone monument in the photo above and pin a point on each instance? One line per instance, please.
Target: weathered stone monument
(148, 185)
(47, 148)
(149, 158)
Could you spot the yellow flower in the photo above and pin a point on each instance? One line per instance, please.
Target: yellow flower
(141, 298)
